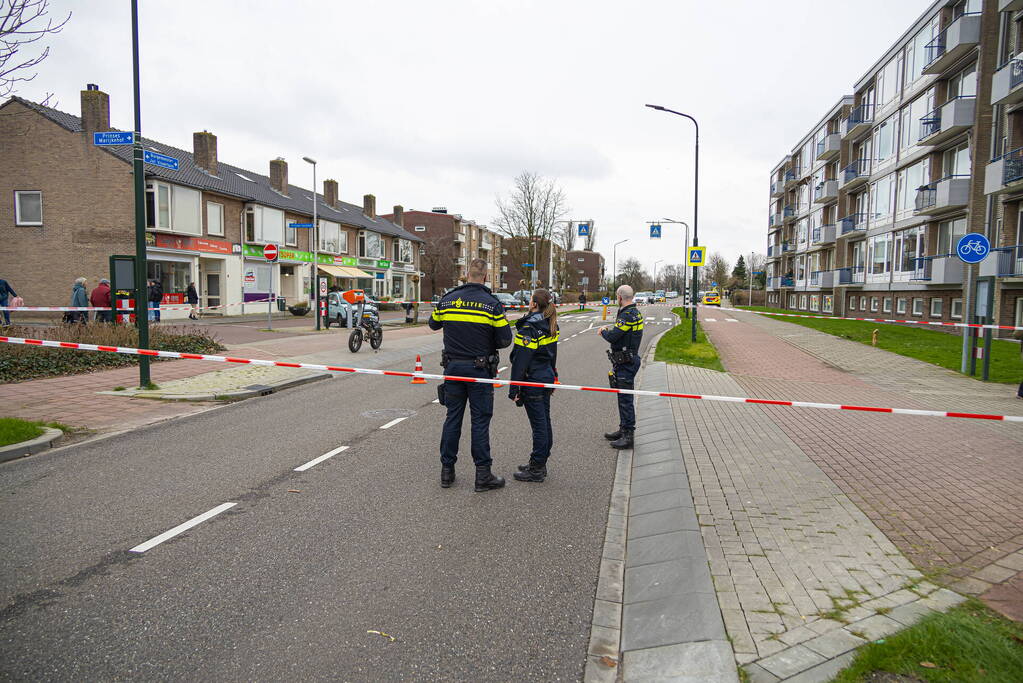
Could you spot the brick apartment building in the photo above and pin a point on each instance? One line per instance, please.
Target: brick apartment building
(449, 243)
(587, 269)
(70, 205)
(868, 207)
(550, 258)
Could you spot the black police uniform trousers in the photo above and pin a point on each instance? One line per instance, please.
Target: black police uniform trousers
(480, 398)
(626, 377)
(537, 403)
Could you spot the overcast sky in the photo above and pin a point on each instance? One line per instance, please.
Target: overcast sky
(442, 103)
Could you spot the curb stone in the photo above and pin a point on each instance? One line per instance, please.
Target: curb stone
(236, 395)
(40, 443)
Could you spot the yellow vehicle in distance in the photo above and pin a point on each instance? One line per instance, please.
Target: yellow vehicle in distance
(712, 298)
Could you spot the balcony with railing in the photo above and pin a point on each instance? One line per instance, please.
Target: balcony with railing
(959, 38)
(945, 269)
(459, 235)
(1004, 173)
(1010, 5)
(859, 121)
(826, 191)
(853, 275)
(774, 221)
(823, 234)
(504, 269)
(951, 119)
(830, 147)
(777, 188)
(852, 223)
(789, 213)
(485, 243)
(459, 260)
(822, 278)
(1003, 262)
(855, 174)
(773, 251)
(792, 176)
(1007, 82)
(948, 194)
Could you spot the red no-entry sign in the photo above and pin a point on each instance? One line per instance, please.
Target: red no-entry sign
(270, 252)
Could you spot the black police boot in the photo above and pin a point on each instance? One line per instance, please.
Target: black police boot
(531, 472)
(625, 441)
(613, 436)
(486, 481)
(447, 476)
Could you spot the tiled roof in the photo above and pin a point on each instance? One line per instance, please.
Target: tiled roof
(232, 181)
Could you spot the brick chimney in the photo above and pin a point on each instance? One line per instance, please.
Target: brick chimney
(95, 109)
(399, 215)
(279, 175)
(369, 205)
(330, 193)
(204, 151)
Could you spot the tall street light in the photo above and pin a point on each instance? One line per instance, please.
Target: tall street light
(696, 192)
(316, 249)
(655, 272)
(139, 178)
(685, 241)
(614, 263)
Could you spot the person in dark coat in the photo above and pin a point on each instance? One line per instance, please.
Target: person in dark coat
(582, 300)
(192, 297)
(6, 293)
(100, 298)
(79, 299)
(155, 296)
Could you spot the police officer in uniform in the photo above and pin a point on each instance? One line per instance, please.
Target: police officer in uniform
(474, 329)
(624, 338)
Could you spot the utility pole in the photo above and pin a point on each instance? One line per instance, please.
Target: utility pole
(138, 174)
(749, 269)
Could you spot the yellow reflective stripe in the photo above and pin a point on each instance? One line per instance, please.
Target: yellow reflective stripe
(466, 315)
(544, 341)
(471, 311)
(525, 342)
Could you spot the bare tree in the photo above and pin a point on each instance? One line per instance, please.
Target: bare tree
(672, 276)
(631, 273)
(718, 270)
(528, 214)
(436, 258)
(23, 22)
(591, 239)
(758, 264)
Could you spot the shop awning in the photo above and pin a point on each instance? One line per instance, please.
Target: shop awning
(344, 271)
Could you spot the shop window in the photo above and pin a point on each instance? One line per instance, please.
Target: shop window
(397, 286)
(957, 308)
(28, 207)
(886, 305)
(873, 304)
(918, 307)
(937, 306)
(900, 305)
(214, 218)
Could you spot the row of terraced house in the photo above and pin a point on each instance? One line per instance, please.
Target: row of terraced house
(867, 209)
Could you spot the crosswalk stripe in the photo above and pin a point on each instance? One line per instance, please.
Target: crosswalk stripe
(731, 320)
(710, 320)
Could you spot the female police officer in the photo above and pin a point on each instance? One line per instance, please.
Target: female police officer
(534, 359)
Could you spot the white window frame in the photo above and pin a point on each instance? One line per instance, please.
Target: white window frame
(900, 305)
(957, 303)
(209, 224)
(874, 304)
(420, 228)
(918, 306)
(886, 304)
(852, 302)
(17, 208)
(941, 307)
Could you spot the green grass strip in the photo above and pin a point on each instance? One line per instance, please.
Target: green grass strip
(675, 346)
(966, 644)
(931, 346)
(13, 430)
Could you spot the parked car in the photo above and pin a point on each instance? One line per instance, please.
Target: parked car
(337, 309)
(659, 296)
(644, 297)
(673, 294)
(523, 296)
(507, 300)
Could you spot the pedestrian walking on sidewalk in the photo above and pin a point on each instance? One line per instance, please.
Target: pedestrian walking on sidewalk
(534, 358)
(1018, 334)
(474, 329)
(155, 296)
(79, 299)
(624, 338)
(6, 294)
(582, 300)
(192, 297)
(100, 298)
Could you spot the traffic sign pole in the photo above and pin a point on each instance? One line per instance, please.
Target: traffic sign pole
(138, 175)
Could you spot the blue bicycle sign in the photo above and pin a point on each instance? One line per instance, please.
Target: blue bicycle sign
(973, 248)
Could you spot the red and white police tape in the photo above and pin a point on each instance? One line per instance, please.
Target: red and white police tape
(128, 310)
(77, 346)
(869, 320)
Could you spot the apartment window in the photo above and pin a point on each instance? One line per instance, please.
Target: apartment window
(949, 233)
(886, 304)
(802, 302)
(956, 161)
(909, 247)
(964, 83)
(371, 245)
(852, 303)
(873, 304)
(214, 218)
(936, 307)
(792, 300)
(28, 207)
(884, 139)
(882, 196)
(957, 308)
(264, 225)
(900, 305)
(1018, 319)
(863, 303)
(330, 237)
(880, 253)
(580, 260)
(888, 83)
(916, 54)
(815, 302)
(910, 180)
(966, 7)
(828, 305)
(918, 307)
(174, 208)
(420, 228)
(290, 233)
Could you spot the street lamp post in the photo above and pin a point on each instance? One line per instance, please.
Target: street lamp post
(655, 272)
(315, 233)
(685, 242)
(696, 193)
(139, 178)
(614, 264)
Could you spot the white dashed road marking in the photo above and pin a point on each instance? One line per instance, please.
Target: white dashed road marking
(731, 320)
(317, 461)
(181, 528)
(710, 320)
(393, 422)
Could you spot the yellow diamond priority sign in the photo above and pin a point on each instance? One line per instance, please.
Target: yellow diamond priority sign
(697, 256)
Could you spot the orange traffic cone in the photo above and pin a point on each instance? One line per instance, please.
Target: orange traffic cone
(419, 368)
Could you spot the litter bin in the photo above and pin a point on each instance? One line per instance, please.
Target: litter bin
(282, 303)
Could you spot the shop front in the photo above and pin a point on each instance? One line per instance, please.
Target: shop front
(342, 272)
(287, 277)
(404, 282)
(175, 262)
(376, 281)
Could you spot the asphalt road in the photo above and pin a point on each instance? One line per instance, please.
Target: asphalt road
(290, 580)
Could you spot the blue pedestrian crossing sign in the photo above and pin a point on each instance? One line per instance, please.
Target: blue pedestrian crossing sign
(973, 247)
(697, 256)
(584, 229)
(655, 231)
(606, 301)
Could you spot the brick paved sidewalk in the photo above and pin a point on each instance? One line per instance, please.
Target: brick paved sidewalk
(945, 491)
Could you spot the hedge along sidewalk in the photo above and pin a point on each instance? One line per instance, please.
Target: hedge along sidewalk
(931, 346)
(675, 346)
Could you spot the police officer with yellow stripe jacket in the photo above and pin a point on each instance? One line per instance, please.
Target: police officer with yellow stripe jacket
(534, 358)
(624, 337)
(474, 329)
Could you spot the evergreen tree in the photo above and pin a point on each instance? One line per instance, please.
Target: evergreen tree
(739, 272)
